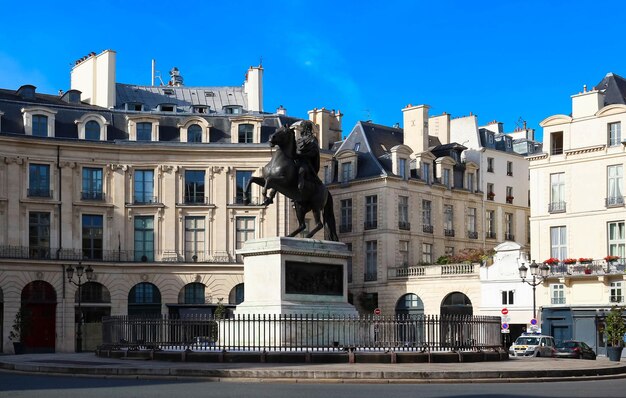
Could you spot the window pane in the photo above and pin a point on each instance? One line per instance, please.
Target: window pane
(144, 131)
(92, 130)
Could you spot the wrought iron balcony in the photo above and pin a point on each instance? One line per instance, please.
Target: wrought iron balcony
(428, 229)
(557, 300)
(196, 200)
(490, 235)
(92, 195)
(145, 200)
(472, 234)
(370, 224)
(615, 201)
(404, 225)
(448, 232)
(370, 276)
(617, 299)
(556, 207)
(345, 228)
(38, 193)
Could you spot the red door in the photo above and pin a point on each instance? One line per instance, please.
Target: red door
(42, 335)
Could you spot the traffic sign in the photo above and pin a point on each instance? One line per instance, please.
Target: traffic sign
(506, 319)
(505, 326)
(504, 311)
(377, 311)
(533, 321)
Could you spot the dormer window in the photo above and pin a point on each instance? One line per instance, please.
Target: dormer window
(134, 106)
(490, 138)
(357, 146)
(92, 130)
(143, 128)
(92, 126)
(209, 94)
(233, 109)
(168, 91)
(167, 108)
(246, 133)
(201, 109)
(144, 131)
(27, 91)
(39, 121)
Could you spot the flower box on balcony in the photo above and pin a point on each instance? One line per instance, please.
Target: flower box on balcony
(551, 261)
(585, 260)
(490, 195)
(610, 258)
(569, 261)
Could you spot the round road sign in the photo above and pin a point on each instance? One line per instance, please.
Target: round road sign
(504, 311)
(533, 321)
(505, 326)
(377, 311)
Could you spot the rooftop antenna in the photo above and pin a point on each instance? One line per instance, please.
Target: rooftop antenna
(156, 74)
(520, 124)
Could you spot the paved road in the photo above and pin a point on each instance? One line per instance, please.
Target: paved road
(42, 386)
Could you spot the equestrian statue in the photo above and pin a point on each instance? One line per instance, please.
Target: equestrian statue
(292, 171)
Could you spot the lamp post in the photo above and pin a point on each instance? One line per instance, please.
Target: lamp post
(536, 271)
(80, 271)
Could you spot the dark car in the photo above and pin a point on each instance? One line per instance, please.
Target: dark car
(574, 349)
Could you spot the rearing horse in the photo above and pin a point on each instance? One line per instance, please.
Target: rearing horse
(280, 174)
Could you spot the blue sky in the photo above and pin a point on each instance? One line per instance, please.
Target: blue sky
(501, 60)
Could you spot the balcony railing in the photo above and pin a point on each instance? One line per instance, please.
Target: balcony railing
(595, 268)
(145, 200)
(46, 253)
(196, 200)
(490, 235)
(615, 201)
(38, 193)
(448, 232)
(557, 300)
(617, 299)
(434, 270)
(92, 195)
(404, 225)
(556, 207)
(345, 228)
(428, 229)
(370, 224)
(370, 276)
(472, 234)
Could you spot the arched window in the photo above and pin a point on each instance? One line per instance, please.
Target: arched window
(194, 133)
(236, 295)
(93, 292)
(410, 304)
(92, 130)
(144, 299)
(456, 303)
(192, 293)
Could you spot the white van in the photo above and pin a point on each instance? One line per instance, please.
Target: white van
(533, 345)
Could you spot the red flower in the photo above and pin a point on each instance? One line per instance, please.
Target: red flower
(551, 261)
(611, 258)
(569, 261)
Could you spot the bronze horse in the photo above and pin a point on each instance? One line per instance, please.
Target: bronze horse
(280, 174)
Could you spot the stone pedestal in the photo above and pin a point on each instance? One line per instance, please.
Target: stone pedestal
(295, 276)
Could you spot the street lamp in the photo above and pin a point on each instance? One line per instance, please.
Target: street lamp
(80, 271)
(536, 271)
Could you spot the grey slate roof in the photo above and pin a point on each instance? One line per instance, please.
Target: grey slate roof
(184, 97)
(614, 87)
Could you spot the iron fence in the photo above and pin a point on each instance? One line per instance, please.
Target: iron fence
(301, 333)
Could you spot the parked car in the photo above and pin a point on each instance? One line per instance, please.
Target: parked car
(533, 345)
(574, 349)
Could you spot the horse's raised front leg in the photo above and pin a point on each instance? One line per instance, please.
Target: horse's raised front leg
(246, 192)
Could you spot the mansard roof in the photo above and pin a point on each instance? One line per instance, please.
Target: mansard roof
(185, 98)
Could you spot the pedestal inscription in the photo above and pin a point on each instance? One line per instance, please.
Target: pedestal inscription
(313, 278)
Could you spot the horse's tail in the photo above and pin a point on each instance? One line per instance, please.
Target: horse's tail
(330, 232)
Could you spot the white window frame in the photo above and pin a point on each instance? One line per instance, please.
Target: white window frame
(81, 124)
(132, 126)
(615, 182)
(28, 113)
(557, 293)
(616, 238)
(558, 242)
(614, 133)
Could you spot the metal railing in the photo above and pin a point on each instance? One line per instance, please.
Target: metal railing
(92, 195)
(596, 267)
(448, 232)
(428, 229)
(196, 200)
(301, 333)
(490, 235)
(345, 228)
(46, 253)
(614, 201)
(557, 300)
(145, 200)
(370, 276)
(404, 225)
(557, 207)
(38, 193)
(370, 224)
(472, 234)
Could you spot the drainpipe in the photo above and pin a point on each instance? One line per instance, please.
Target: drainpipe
(60, 200)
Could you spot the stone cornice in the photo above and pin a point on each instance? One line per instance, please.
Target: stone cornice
(588, 149)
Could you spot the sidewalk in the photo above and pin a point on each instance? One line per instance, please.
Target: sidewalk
(513, 370)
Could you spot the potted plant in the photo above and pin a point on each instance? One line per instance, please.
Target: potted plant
(551, 261)
(585, 260)
(490, 195)
(569, 261)
(610, 258)
(614, 328)
(19, 330)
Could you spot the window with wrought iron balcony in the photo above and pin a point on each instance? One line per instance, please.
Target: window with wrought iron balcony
(614, 201)
(448, 232)
(617, 299)
(404, 225)
(345, 228)
(92, 195)
(370, 277)
(39, 193)
(196, 199)
(556, 207)
(427, 228)
(472, 234)
(490, 235)
(370, 224)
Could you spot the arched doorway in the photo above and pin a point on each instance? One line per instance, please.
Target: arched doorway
(144, 300)
(455, 331)
(410, 321)
(95, 302)
(456, 303)
(39, 301)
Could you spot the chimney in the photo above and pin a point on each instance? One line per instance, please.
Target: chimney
(281, 111)
(587, 103)
(94, 77)
(253, 87)
(416, 127)
(329, 125)
(439, 126)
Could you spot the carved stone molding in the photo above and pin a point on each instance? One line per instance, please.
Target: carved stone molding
(66, 164)
(17, 160)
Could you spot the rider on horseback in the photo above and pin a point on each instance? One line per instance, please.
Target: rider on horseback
(308, 151)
